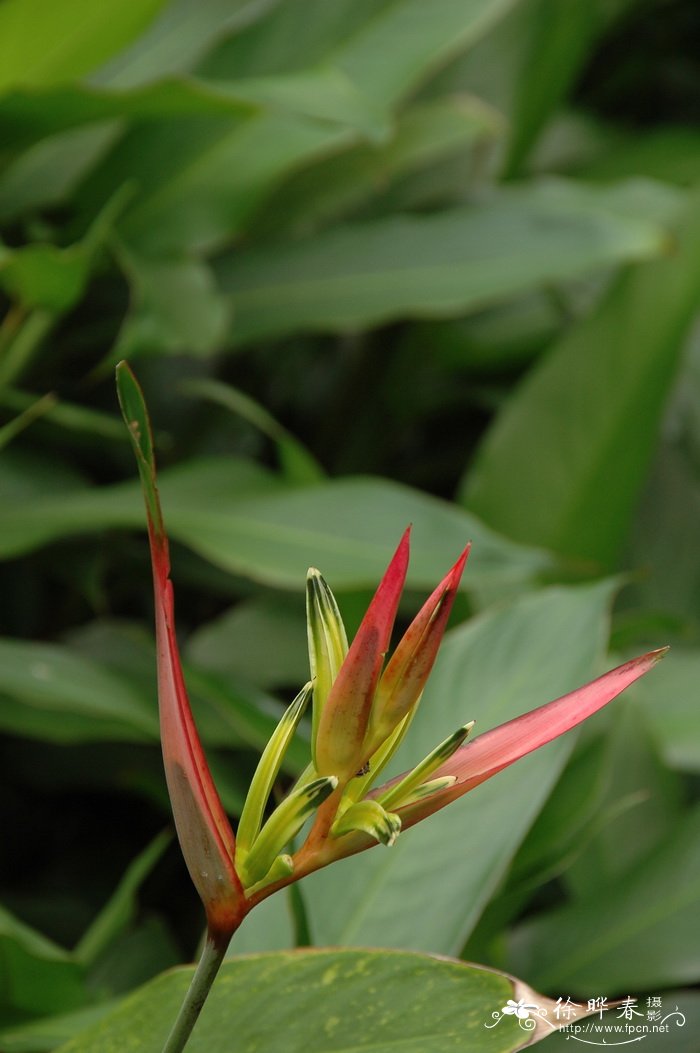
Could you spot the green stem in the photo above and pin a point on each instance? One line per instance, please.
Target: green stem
(205, 973)
(19, 352)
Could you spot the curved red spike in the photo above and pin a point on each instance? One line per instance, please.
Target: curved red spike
(343, 721)
(495, 750)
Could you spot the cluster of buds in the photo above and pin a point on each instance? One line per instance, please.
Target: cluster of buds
(361, 707)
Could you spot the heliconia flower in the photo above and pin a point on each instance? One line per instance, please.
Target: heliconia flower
(361, 710)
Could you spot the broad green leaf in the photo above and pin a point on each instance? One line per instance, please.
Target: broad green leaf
(44, 1035)
(46, 277)
(197, 482)
(557, 43)
(428, 890)
(40, 680)
(143, 950)
(119, 910)
(501, 337)
(641, 803)
(642, 933)
(425, 136)
(569, 818)
(262, 639)
(39, 978)
(346, 527)
(324, 94)
(25, 474)
(563, 463)
(437, 265)
(48, 172)
(179, 38)
(270, 927)
(386, 47)
(388, 72)
(202, 179)
(664, 534)
(667, 152)
(671, 708)
(229, 708)
(328, 1001)
(47, 43)
(42, 275)
(175, 308)
(101, 688)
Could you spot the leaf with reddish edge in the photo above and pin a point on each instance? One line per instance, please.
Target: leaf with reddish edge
(204, 832)
(490, 753)
(343, 722)
(408, 669)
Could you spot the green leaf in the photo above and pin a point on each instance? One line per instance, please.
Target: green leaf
(346, 526)
(176, 307)
(437, 265)
(41, 275)
(640, 934)
(46, 43)
(669, 152)
(640, 805)
(44, 275)
(386, 47)
(44, 1035)
(425, 136)
(121, 907)
(428, 891)
(202, 178)
(324, 95)
(101, 688)
(178, 39)
(62, 696)
(48, 172)
(262, 639)
(327, 1001)
(270, 927)
(557, 42)
(39, 978)
(563, 463)
(300, 466)
(671, 709)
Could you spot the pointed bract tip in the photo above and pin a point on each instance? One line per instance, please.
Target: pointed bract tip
(457, 570)
(658, 654)
(312, 572)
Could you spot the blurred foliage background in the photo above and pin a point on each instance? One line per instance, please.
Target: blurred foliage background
(374, 261)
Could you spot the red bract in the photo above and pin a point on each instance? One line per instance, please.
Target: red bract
(204, 832)
(495, 750)
(343, 723)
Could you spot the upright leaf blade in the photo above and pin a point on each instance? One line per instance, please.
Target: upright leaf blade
(563, 463)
